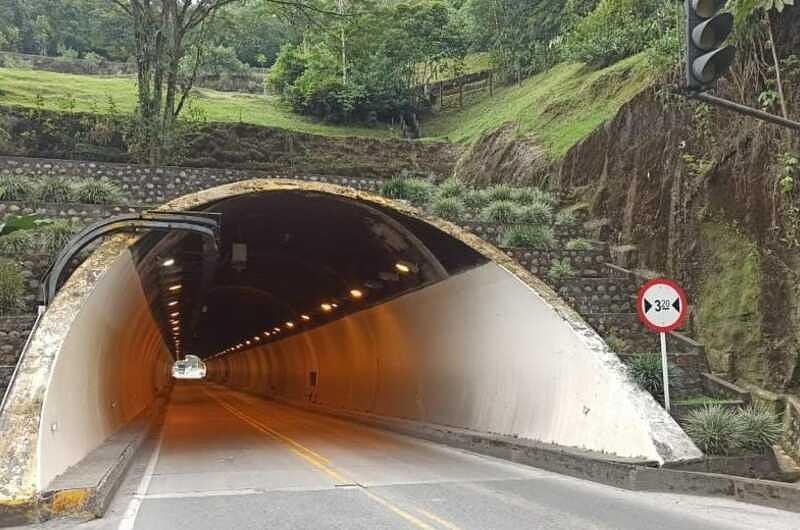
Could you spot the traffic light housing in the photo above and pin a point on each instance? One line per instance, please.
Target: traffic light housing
(707, 29)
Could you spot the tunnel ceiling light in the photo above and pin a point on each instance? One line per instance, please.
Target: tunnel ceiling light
(356, 293)
(248, 343)
(290, 325)
(305, 317)
(175, 287)
(276, 330)
(169, 263)
(326, 307)
(175, 314)
(173, 303)
(266, 333)
(257, 338)
(404, 267)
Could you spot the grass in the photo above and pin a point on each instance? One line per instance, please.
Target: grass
(704, 400)
(562, 106)
(81, 93)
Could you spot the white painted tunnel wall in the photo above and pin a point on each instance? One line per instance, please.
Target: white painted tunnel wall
(479, 351)
(109, 369)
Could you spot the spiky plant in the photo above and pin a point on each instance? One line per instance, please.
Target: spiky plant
(502, 212)
(450, 208)
(500, 192)
(761, 428)
(645, 368)
(476, 199)
(560, 270)
(715, 429)
(566, 220)
(19, 242)
(579, 244)
(451, 187)
(55, 189)
(538, 237)
(16, 187)
(56, 235)
(530, 195)
(12, 286)
(101, 191)
(537, 213)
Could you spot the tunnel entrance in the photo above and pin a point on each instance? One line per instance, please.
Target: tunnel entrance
(324, 298)
(289, 261)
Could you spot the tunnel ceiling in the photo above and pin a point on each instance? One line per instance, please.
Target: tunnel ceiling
(282, 255)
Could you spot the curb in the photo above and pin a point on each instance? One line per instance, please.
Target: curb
(73, 495)
(626, 473)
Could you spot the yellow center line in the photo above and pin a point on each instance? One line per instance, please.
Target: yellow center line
(323, 465)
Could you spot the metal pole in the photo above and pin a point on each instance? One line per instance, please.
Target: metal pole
(664, 372)
(742, 109)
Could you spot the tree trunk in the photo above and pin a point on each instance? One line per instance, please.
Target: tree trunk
(777, 67)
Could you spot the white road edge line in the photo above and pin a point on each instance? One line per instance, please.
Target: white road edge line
(199, 494)
(129, 519)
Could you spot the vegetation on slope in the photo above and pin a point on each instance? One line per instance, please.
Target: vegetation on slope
(561, 105)
(80, 93)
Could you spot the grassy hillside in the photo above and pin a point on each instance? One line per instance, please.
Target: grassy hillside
(561, 106)
(54, 91)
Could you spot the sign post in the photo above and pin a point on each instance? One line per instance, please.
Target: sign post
(662, 308)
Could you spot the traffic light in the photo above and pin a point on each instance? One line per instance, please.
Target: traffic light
(707, 30)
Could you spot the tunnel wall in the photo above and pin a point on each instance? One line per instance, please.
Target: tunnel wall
(110, 367)
(480, 351)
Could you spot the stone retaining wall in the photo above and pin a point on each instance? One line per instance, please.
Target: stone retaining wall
(145, 185)
(599, 295)
(686, 373)
(791, 439)
(76, 212)
(13, 334)
(587, 263)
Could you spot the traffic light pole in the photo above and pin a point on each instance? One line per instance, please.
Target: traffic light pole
(742, 109)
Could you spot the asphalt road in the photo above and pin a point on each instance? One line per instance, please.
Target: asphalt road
(229, 460)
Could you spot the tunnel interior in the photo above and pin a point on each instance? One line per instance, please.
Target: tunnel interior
(336, 303)
(287, 262)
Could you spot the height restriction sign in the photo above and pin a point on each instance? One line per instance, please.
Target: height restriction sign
(662, 305)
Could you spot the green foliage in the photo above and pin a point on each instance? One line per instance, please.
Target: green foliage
(537, 213)
(645, 368)
(579, 244)
(566, 219)
(54, 189)
(56, 235)
(500, 211)
(451, 187)
(417, 191)
(477, 199)
(560, 270)
(450, 208)
(500, 192)
(14, 223)
(100, 191)
(216, 60)
(19, 242)
(12, 286)
(761, 428)
(614, 30)
(715, 429)
(531, 195)
(16, 187)
(538, 237)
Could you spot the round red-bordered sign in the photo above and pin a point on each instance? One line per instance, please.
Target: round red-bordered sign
(662, 305)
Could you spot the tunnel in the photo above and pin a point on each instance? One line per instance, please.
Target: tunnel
(327, 299)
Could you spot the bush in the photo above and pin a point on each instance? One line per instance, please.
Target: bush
(715, 429)
(579, 244)
(414, 190)
(12, 286)
(451, 187)
(16, 187)
(98, 192)
(500, 192)
(538, 237)
(617, 344)
(532, 195)
(560, 270)
(18, 242)
(645, 368)
(476, 199)
(537, 213)
(55, 189)
(450, 208)
(56, 235)
(566, 220)
(761, 428)
(502, 211)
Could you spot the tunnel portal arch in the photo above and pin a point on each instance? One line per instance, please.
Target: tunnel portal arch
(588, 413)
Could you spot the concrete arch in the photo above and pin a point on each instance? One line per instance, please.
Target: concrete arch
(492, 350)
